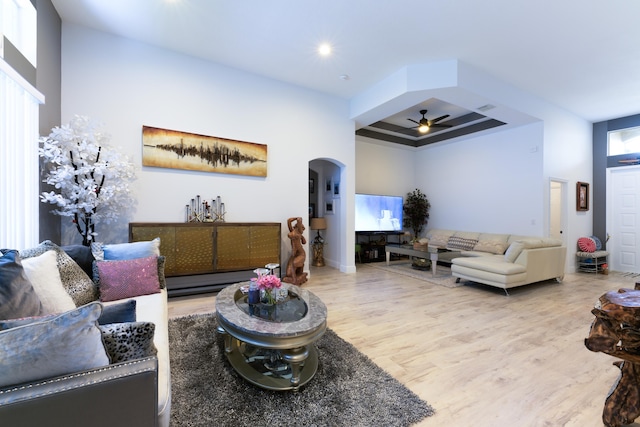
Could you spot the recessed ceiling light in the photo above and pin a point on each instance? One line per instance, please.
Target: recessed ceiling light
(324, 49)
(344, 77)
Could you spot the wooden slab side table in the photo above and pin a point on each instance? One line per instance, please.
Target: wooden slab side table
(616, 332)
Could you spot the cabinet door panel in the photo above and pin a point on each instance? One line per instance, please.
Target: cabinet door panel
(265, 245)
(194, 250)
(233, 249)
(167, 243)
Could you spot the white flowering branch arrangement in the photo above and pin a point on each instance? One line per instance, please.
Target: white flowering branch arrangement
(91, 179)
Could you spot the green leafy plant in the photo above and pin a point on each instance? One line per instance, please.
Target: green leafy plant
(416, 212)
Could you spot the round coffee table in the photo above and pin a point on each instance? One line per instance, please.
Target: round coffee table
(272, 346)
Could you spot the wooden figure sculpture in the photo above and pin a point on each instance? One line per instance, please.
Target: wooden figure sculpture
(295, 273)
(616, 332)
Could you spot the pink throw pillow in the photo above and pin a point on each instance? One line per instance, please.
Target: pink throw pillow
(587, 244)
(128, 278)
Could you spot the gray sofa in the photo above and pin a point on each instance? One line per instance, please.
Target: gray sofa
(501, 260)
(134, 392)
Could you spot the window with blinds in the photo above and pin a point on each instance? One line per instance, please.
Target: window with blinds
(19, 176)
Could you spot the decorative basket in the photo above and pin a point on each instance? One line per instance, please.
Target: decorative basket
(418, 246)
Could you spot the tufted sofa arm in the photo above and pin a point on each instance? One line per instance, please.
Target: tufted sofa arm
(119, 394)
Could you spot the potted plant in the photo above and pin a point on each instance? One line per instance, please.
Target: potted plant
(90, 179)
(416, 212)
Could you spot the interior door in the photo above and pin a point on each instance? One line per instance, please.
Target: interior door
(623, 218)
(557, 209)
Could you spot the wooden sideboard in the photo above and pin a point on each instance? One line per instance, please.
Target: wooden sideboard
(207, 256)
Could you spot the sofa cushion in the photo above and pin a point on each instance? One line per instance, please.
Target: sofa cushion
(122, 251)
(515, 249)
(153, 308)
(461, 243)
(18, 298)
(79, 286)
(439, 238)
(540, 242)
(492, 243)
(127, 278)
(128, 341)
(494, 264)
(66, 343)
(44, 275)
(467, 234)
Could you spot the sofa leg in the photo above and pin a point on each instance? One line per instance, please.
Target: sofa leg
(506, 292)
(457, 280)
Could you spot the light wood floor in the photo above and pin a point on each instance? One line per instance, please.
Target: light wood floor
(480, 358)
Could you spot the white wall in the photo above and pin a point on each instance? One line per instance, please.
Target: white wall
(491, 183)
(126, 85)
(384, 168)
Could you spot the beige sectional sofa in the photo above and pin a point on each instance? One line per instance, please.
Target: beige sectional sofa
(501, 260)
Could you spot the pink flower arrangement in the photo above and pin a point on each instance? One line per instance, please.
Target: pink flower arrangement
(267, 282)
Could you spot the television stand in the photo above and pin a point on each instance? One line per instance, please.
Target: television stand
(373, 243)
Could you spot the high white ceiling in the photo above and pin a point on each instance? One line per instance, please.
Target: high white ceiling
(582, 55)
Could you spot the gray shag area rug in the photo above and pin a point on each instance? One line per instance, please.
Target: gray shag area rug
(348, 389)
(403, 267)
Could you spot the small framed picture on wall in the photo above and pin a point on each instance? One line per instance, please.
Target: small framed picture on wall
(329, 186)
(328, 208)
(582, 196)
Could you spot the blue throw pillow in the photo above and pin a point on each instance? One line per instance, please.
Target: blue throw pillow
(123, 312)
(70, 342)
(125, 251)
(17, 296)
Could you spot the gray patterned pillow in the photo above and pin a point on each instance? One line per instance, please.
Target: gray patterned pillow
(461, 243)
(76, 282)
(129, 341)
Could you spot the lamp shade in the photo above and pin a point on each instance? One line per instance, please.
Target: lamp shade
(318, 224)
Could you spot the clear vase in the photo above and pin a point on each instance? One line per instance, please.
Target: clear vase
(266, 296)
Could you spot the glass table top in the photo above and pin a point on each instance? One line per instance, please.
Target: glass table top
(292, 309)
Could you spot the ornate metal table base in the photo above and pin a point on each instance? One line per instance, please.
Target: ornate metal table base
(272, 346)
(286, 369)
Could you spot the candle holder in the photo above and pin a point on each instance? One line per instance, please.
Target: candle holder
(203, 211)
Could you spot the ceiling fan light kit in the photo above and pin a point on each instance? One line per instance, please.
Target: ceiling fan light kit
(425, 124)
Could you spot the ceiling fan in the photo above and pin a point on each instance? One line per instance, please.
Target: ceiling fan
(425, 124)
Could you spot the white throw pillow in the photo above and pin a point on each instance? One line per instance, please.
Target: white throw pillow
(514, 251)
(42, 271)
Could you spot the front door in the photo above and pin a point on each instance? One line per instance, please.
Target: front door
(623, 218)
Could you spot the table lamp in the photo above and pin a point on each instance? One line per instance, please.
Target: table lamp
(318, 243)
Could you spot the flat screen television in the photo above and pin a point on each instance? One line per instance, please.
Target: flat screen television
(378, 213)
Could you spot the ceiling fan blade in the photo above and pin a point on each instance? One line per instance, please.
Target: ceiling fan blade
(418, 123)
(439, 118)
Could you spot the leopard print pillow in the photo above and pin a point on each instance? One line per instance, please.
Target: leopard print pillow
(128, 341)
